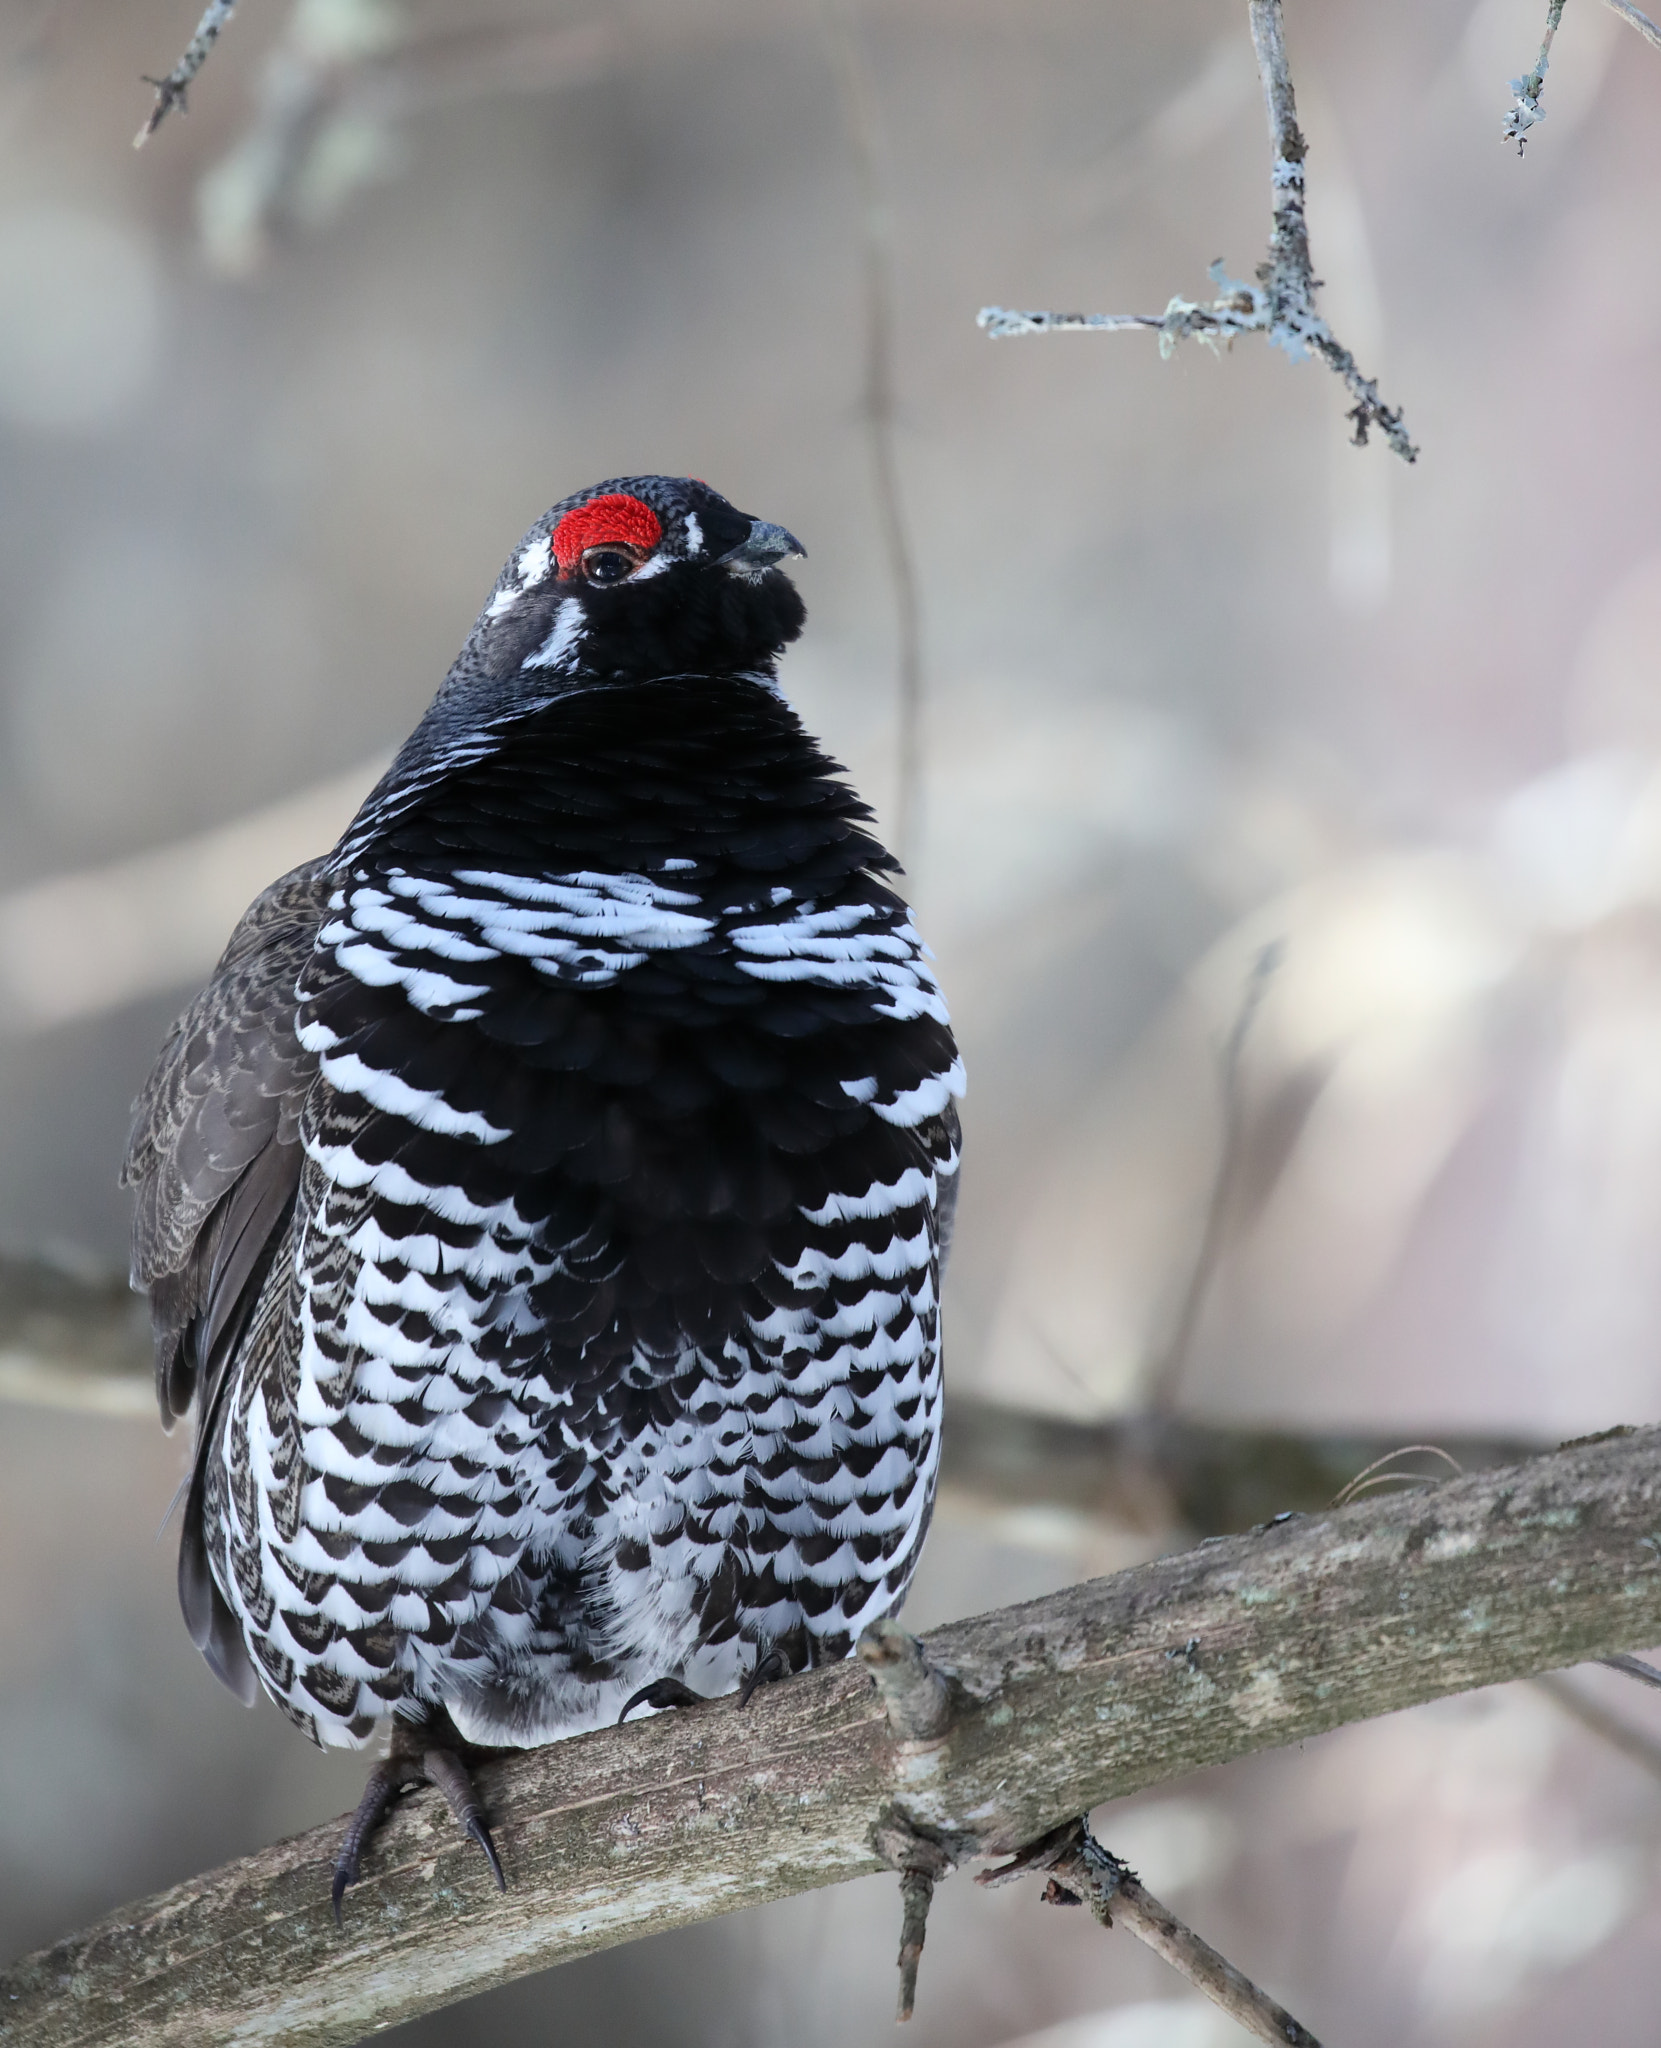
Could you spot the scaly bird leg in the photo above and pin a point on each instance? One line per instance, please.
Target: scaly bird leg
(423, 1753)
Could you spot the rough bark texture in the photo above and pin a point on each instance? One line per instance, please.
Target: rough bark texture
(1246, 1643)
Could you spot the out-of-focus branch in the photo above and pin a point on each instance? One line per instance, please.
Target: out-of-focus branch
(1641, 22)
(1003, 1469)
(170, 91)
(73, 1337)
(859, 114)
(1165, 1378)
(1080, 1871)
(343, 74)
(1526, 109)
(1248, 1643)
(1281, 305)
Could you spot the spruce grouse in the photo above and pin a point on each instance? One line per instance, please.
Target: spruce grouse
(544, 1204)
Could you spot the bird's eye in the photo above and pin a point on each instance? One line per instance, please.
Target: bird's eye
(608, 565)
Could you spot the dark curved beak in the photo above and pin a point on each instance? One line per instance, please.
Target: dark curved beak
(761, 547)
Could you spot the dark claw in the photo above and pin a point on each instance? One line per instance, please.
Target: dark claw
(481, 1834)
(386, 1781)
(662, 1692)
(770, 1665)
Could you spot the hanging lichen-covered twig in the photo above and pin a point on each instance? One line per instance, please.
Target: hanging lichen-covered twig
(1281, 304)
(1526, 109)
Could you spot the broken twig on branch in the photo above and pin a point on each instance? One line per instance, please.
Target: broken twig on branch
(1081, 1872)
(1281, 304)
(1247, 1643)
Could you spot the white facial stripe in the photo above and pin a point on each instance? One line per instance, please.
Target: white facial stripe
(559, 650)
(694, 534)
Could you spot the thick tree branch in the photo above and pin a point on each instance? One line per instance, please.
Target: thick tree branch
(1249, 1642)
(1281, 304)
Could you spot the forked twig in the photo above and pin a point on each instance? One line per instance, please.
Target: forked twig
(1281, 304)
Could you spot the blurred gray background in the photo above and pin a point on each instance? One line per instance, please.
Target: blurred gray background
(278, 395)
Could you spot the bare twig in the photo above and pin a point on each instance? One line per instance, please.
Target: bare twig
(1079, 1870)
(170, 91)
(1281, 305)
(921, 1863)
(1165, 1379)
(1058, 1705)
(877, 404)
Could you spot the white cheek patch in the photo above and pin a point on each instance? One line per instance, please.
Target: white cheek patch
(559, 650)
(694, 534)
(655, 567)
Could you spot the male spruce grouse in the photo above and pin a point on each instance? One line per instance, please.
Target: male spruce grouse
(545, 1202)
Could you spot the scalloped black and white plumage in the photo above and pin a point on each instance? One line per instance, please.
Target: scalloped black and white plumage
(544, 1204)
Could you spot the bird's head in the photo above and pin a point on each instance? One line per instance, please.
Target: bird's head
(640, 576)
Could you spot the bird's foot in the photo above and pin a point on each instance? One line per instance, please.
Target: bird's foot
(770, 1665)
(662, 1692)
(423, 1753)
(674, 1692)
